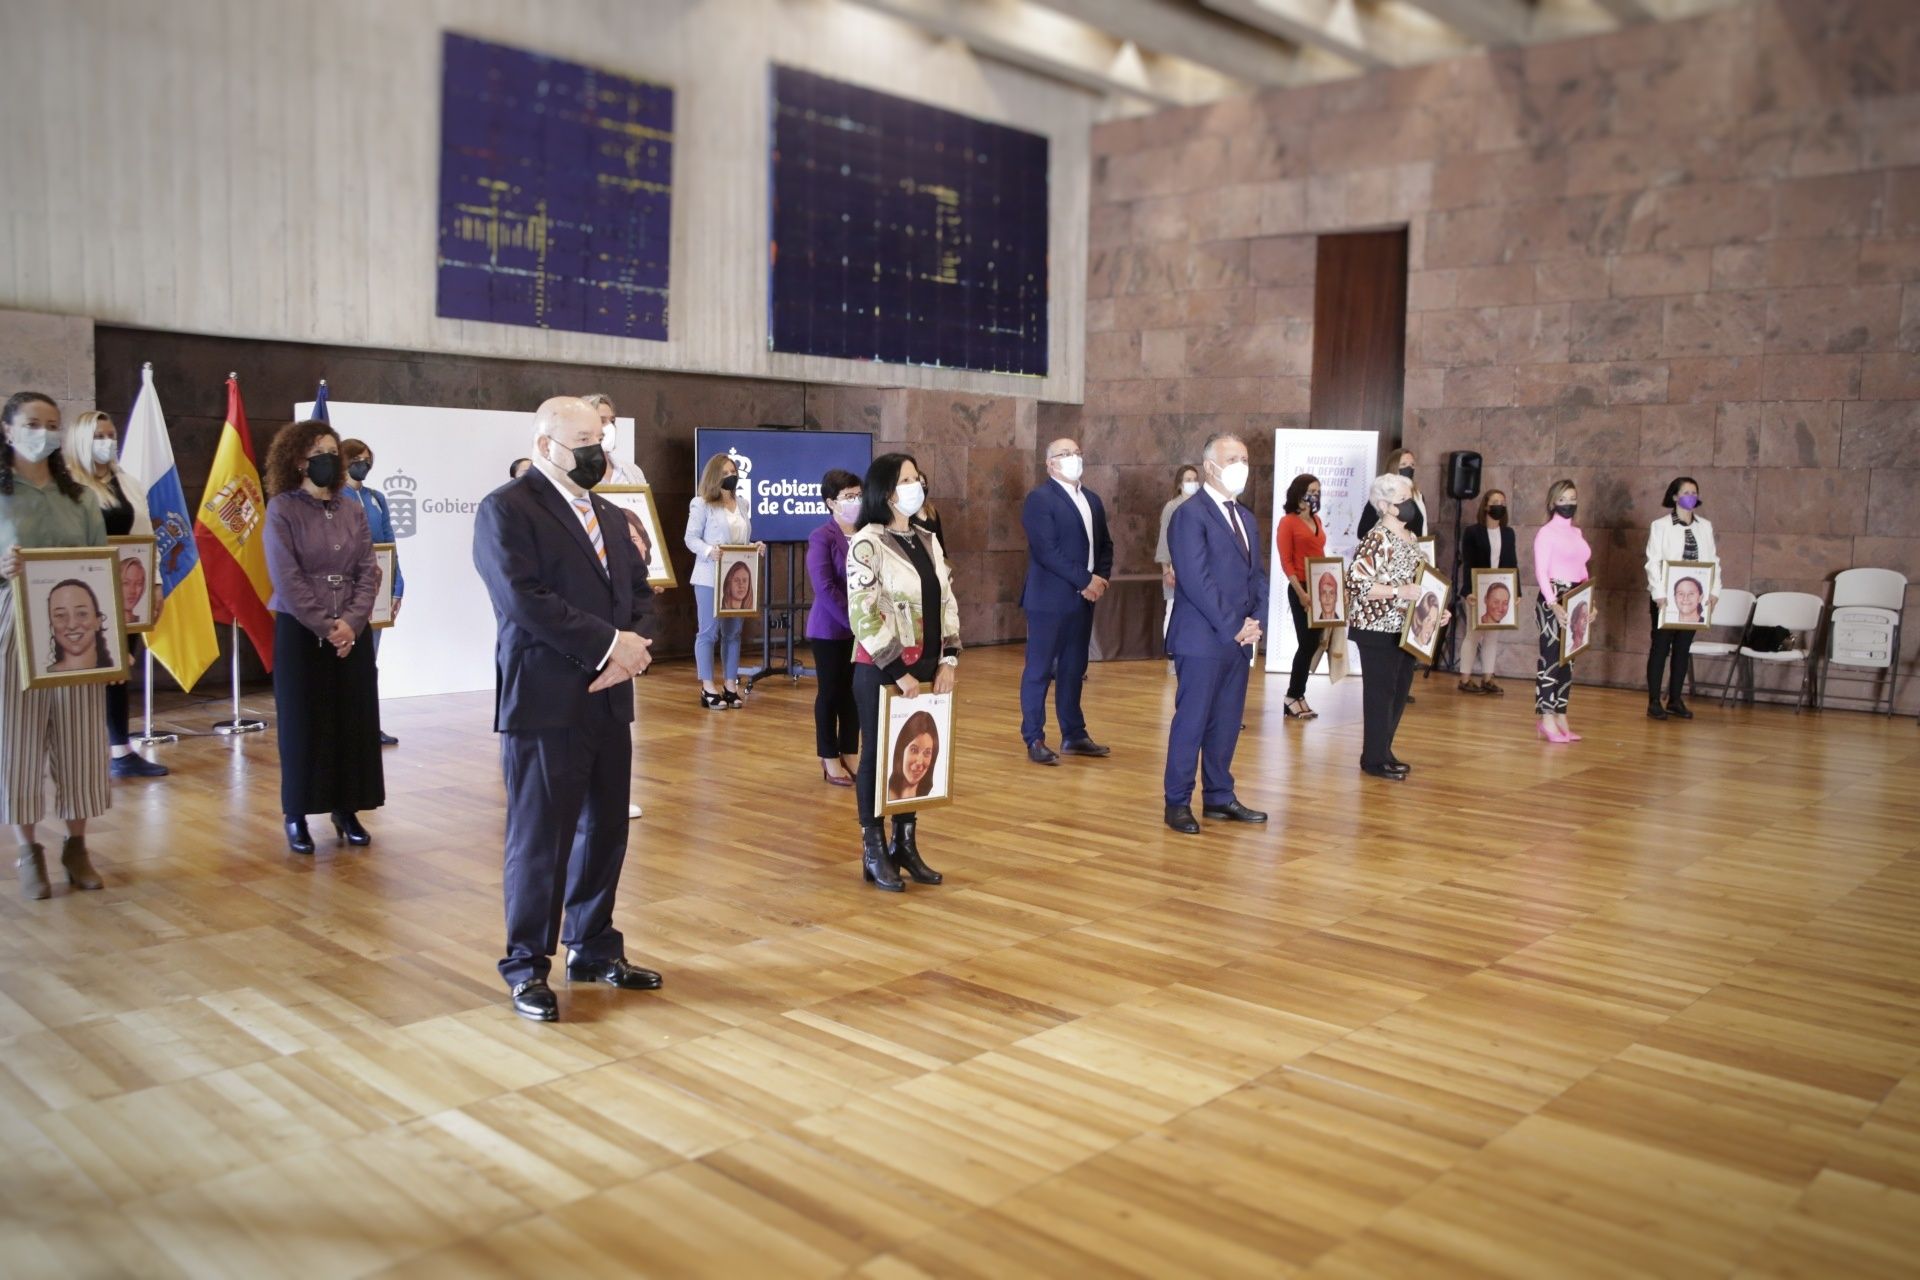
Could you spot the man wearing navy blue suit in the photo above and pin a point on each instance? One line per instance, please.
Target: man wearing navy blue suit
(573, 609)
(1069, 560)
(1219, 596)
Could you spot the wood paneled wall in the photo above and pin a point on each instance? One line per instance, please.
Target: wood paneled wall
(1359, 332)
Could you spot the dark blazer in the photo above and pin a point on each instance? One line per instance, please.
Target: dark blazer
(1218, 584)
(1057, 548)
(1478, 549)
(556, 609)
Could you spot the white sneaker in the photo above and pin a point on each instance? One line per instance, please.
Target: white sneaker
(633, 811)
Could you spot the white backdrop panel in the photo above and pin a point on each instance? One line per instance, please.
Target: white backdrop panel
(1343, 462)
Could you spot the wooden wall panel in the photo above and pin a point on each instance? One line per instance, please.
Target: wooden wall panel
(1360, 333)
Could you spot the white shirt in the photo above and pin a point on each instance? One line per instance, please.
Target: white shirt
(620, 471)
(1223, 502)
(1496, 543)
(1086, 514)
(570, 496)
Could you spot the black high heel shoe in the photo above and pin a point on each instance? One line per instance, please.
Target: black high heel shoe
(874, 863)
(906, 854)
(298, 841)
(347, 827)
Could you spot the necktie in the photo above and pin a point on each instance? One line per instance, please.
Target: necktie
(1233, 514)
(585, 507)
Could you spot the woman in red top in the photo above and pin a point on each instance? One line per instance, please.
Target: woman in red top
(1300, 535)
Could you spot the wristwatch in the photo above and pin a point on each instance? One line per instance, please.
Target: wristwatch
(951, 660)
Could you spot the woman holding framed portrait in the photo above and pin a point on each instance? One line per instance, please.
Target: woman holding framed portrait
(58, 727)
(717, 519)
(1488, 545)
(906, 630)
(1383, 581)
(1299, 537)
(1560, 556)
(836, 721)
(1683, 583)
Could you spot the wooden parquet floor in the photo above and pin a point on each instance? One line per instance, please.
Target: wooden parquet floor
(1644, 1005)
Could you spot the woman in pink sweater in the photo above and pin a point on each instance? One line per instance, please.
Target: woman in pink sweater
(1560, 555)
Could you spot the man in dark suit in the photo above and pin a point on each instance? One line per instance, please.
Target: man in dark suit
(572, 605)
(1069, 560)
(1219, 596)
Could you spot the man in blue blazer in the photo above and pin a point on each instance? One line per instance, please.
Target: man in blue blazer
(573, 610)
(1069, 560)
(1219, 596)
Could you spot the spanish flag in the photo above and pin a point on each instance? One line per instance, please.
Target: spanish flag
(183, 639)
(231, 528)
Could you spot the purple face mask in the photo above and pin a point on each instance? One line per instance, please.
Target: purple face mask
(1688, 501)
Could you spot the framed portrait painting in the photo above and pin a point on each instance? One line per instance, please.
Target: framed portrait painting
(1428, 548)
(68, 619)
(643, 529)
(1495, 594)
(915, 755)
(1326, 591)
(1577, 634)
(381, 615)
(139, 583)
(1420, 633)
(738, 577)
(1684, 585)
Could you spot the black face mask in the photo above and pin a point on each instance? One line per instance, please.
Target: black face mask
(1407, 511)
(589, 465)
(1567, 509)
(324, 470)
(359, 468)
(1498, 512)
(730, 483)
(1407, 472)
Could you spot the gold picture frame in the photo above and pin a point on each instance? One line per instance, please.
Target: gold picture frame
(899, 715)
(1429, 549)
(44, 570)
(1420, 632)
(1319, 569)
(1576, 634)
(1673, 574)
(732, 556)
(140, 549)
(636, 500)
(1484, 580)
(380, 617)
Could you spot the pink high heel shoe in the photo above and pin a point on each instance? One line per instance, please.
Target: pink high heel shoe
(1568, 735)
(1551, 735)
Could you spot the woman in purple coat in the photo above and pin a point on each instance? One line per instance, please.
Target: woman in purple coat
(836, 726)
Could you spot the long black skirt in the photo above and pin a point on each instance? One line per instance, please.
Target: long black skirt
(328, 710)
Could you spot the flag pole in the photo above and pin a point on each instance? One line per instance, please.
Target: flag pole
(237, 725)
(149, 738)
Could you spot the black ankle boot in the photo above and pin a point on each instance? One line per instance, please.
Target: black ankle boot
(346, 826)
(1655, 711)
(874, 863)
(297, 838)
(906, 855)
(1678, 709)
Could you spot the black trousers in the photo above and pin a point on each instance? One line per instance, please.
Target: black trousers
(1386, 677)
(1309, 641)
(1670, 649)
(327, 710)
(566, 842)
(836, 721)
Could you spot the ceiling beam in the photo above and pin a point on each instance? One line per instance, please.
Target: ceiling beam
(1063, 48)
(1496, 22)
(1357, 32)
(1165, 27)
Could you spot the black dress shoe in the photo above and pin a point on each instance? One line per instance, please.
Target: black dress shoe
(298, 839)
(347, 827)
(135, 765)
(1395, 762)
(905, 853)
(1040, 753)
(388, 740)
(1678, 710)
(615, 973)
(875, 864)
(1656, 712)
(1383, 771)
(535, 999)
(1084, 747)
(1409, 699)
(1232, 811)
(1180, 818)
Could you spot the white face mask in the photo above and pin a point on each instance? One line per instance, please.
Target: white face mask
(33, 444)
(1071, 467)
(1233, 478)
(103, 452)
(848, 510)
(910, 497)
(1189, 487)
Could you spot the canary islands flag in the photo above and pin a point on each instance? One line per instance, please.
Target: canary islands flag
(183, 640)
(231, 528)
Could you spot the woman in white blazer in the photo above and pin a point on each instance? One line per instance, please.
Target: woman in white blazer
(1682, 535)
(715, 519)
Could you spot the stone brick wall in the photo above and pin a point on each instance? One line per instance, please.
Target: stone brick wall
(1685, 248)
(50, 354)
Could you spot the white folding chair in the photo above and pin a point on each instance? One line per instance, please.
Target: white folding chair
(1732, 611)
(1863, 631)
(1799, 613)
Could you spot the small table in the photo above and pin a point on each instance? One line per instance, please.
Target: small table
(1127, 621)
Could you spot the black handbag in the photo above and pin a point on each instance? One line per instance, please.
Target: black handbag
(1770, 639)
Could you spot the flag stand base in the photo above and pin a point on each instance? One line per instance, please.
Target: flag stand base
(156, 739)
(233, 728)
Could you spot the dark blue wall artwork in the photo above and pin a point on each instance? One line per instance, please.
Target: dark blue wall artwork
(904, 233)
(556, 186)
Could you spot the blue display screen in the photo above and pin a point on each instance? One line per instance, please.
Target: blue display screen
(780, 473)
